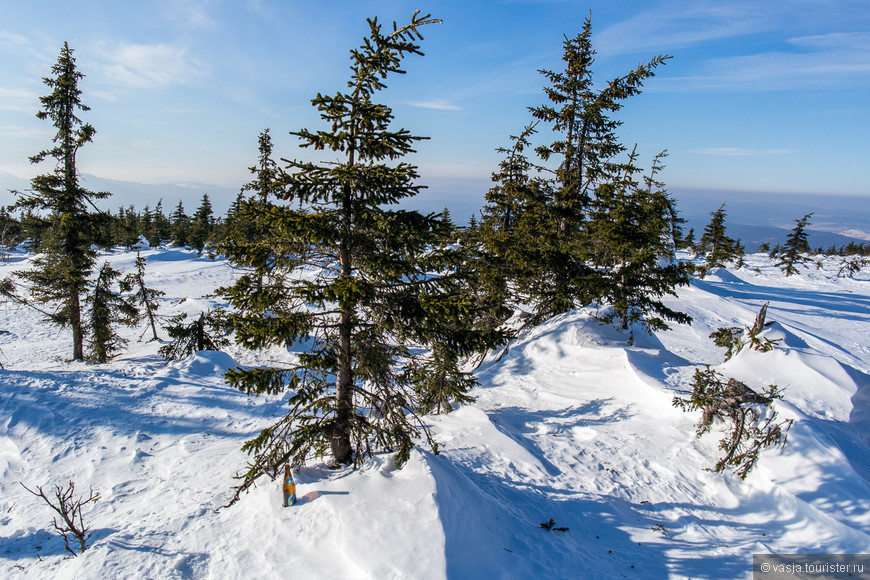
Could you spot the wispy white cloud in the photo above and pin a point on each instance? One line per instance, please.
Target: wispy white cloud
(741, 152)
(669, 26)
(440, 105)
(12, 38)
(193, 13)
(831, 61)
(150, 65)
(18, 100)
(18, 132)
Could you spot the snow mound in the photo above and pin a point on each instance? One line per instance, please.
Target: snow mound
(142, 244)
(573, 428)
(207, 363)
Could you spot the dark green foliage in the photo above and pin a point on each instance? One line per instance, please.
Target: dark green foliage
(438, 381)
(159, 230)
(734, 338)
(143, 297)
(504, 246)
(60, 206)
(108, 309)
(715, 244)
(582, 231)
(247, 225)
(180, 226)
(11, 233)
(633, 229)
(796, 248)
(851, 265)
(202, 224)
(126, 227)
(688, 242)
(728, 337)
(207, 332)
(749, 417)
(367, 289)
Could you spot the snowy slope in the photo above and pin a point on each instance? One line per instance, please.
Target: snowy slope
(570, 424)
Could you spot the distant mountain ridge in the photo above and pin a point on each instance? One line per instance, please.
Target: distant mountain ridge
(126, 193)
(754, 217)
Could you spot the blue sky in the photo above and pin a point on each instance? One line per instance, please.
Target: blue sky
(760, 95)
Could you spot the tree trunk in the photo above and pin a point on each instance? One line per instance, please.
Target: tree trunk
(342, 451)
(340, 443)
(75, 321)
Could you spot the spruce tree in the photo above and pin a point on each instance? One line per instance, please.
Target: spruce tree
(162, 231)
(715, 244)
(536, 227)
(62, 206)
(143, 297)
(359, 282)
(793, 252)
(633, 227)
(180, 226)
(108, 309)
(207, 332)
(202, 224)
(505, 246)
(244, 225)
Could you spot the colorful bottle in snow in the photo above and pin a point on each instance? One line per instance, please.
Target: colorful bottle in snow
(289, 487)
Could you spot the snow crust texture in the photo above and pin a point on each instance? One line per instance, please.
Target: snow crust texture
(571, 425)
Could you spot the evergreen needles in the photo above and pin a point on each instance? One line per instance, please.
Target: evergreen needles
(576, 226)
(367, 288)
(61, 206)
(749, 417)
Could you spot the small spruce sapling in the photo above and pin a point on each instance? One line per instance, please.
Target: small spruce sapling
(205, 333)
(851, 265)
(144, 297)
(734, 338)
(749, 416)
(796, 248)
(715, 244)
(108, 309)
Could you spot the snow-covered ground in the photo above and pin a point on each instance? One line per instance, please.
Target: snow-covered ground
(570, 424)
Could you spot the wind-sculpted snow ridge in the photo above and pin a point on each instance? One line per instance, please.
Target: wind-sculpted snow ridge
(573, 428)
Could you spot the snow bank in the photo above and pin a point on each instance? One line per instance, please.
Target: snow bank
(571, 424)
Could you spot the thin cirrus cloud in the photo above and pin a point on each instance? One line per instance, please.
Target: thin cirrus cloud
(741, 152)
(150, 66)
(667, 28)
(18, 100)
(831, 61)
(438, 105)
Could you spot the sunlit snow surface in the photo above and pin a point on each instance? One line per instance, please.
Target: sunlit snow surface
(570, 424)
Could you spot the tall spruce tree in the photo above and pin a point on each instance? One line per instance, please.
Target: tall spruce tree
(586, 149)
(354, 279)
(61, 205)
(796, 248)
(536, 224)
